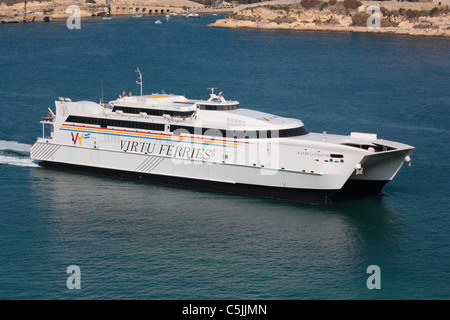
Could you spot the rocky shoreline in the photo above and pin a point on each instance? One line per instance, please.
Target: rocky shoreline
(340, 16)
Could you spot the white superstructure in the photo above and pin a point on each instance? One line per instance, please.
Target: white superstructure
(214, 144)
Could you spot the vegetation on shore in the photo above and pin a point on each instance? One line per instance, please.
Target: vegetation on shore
(347, 7)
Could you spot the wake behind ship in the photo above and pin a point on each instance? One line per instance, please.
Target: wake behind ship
(213, 144)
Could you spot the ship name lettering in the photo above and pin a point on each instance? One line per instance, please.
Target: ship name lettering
(169, 150)
(313, 154)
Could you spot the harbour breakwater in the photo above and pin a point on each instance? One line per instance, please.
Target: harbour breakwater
(419, 19)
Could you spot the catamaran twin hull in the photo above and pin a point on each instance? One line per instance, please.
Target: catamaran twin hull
(215, 145)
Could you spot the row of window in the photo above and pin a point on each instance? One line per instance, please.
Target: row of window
(104, 123)
(217, 107)
(154, 112)
(172, 113)
(178, 129)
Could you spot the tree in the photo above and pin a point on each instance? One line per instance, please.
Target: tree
(352, 4)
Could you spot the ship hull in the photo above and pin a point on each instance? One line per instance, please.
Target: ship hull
(360, 188)
(302, 187)
(307, 196)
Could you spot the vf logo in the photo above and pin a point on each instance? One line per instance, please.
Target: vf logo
(74, 280)
(374, 280)
(77, 139)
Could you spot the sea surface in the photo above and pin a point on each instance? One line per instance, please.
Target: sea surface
(135, 240)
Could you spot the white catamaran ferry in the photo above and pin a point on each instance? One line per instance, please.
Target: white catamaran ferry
(213, 144)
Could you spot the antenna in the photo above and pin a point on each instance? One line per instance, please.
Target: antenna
(140, 78)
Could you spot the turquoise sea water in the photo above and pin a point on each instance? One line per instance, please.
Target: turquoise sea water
(142, 241)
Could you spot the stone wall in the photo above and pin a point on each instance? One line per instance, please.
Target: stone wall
(124, 9)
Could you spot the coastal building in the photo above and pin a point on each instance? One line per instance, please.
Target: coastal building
(150, 7)
(123, 9)
(57, 8)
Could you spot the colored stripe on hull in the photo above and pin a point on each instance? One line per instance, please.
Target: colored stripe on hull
(153, 136)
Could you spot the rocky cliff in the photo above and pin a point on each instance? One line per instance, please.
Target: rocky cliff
(347, 15)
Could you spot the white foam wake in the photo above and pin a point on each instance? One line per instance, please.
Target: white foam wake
(14, 146)
(16, 159)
